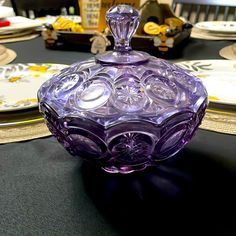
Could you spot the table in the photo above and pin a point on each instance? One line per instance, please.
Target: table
(45, 191)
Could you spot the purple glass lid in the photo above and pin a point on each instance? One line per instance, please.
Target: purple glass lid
(123, 21)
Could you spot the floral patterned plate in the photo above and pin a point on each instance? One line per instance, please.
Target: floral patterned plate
(19, 84)
(218, 76)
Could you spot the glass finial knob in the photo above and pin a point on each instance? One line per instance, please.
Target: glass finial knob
(123, 21)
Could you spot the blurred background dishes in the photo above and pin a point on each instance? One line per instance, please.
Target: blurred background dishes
(6, 12)
(215, 30)
(19, 23)
(19, 29)
(217, 26)
(17, 34)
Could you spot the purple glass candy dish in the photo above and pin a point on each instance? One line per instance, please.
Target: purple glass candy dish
(123, 109)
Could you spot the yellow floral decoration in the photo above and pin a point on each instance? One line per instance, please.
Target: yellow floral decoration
(42, 69)
(213, 98)
(14, 79)
(25, 101)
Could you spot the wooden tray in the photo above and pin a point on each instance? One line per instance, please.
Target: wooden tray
(64, 40)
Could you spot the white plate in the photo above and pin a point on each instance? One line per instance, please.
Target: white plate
(218, 76)
(217, 26)
(19, 84)
(18, 23)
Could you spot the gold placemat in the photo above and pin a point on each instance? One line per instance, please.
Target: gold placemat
(8, 56)
(229, 52)
(222, 122)
(24, 132)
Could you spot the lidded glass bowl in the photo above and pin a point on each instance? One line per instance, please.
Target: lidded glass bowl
(123, 109)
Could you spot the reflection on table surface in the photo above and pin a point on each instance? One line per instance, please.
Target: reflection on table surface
(44, 190)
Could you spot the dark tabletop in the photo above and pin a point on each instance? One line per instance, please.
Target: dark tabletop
(45, 191)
